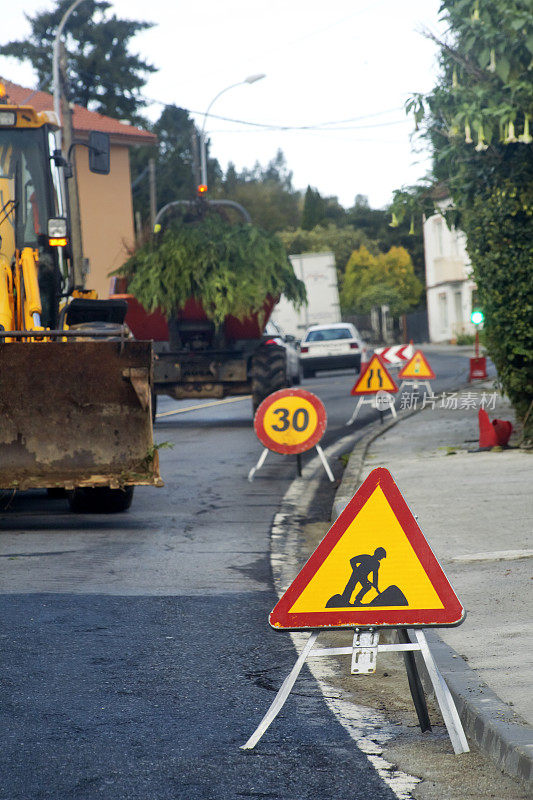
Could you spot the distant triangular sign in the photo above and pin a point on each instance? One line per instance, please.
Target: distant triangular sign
(376, 378)
(417, 367)
(373, 568)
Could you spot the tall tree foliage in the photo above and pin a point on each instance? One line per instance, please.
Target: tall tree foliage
(104, 75)
(383, 279)
(314, 209)
(175, 160)
(375, 222)
(477, 119)
(266, 192)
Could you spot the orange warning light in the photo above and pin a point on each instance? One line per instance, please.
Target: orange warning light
(202, 189)
(57, 241)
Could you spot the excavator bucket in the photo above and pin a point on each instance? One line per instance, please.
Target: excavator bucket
(76, 414)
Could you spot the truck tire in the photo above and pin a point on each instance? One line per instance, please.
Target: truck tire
(100, 500)
(268, 373)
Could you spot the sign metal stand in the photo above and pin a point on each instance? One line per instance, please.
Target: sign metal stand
(373, 386)
(417, 372)
(414, 383)
(364, 652)
(366, 400)
(321, 455)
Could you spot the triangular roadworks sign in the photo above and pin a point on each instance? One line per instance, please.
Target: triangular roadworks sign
(374, 379)
(373, 568)
(417, 367)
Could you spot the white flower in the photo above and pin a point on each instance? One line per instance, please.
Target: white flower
(526, 138)
(510, 134)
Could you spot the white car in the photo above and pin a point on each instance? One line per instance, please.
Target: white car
(335, 346)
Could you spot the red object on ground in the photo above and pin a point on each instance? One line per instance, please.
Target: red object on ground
(503, 430)
(478, 368)
(487, 434)
(495, 433)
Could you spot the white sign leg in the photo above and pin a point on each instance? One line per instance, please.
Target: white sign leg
(325, 463)
(259, 464)
(356, 411)
(444, 698)
(281, 696)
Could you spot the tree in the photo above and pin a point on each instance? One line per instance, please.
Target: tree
(383, 279)
(477, 121)
(174, 161)
(375, 222)
(104, 75)
(313, 210)
(266, 193)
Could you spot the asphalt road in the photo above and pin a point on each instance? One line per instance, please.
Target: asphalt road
(136, 653)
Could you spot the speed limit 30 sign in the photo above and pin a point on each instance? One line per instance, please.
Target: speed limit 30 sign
(290, 421)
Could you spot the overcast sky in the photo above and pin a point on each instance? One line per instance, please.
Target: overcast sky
(325, 62)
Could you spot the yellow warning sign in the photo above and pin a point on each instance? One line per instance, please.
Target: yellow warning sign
(417, 367)
(375, 378)
(374, 567)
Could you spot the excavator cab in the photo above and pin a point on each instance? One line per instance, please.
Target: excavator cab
(75, 387)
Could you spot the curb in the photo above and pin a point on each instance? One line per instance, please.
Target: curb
(496, 730)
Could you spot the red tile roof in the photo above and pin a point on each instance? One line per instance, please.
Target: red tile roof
(82, 119)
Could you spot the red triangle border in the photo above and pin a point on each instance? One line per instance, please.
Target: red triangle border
(360, 392)
(451, 614)
(430, 377)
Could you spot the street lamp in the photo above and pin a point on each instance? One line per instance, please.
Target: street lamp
(57, 88)
(203, 154)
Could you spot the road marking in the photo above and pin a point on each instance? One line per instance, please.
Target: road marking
(497, 555)
(203, 405)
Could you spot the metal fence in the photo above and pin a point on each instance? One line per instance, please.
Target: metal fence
(380, 328)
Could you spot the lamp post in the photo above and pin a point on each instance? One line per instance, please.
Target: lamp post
(203, 154)
(57, 93)
(55, 67)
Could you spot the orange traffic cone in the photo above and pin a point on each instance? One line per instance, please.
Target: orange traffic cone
(487, 434)
(365, 361)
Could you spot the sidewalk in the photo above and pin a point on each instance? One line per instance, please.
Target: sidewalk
(475, 509)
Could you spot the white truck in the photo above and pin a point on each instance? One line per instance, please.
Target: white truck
(319, 273)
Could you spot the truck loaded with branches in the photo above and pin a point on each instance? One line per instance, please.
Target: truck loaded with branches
(203, 289)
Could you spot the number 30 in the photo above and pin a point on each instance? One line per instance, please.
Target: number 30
(300, 419)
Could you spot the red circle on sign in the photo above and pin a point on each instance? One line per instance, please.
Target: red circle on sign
(271, 436)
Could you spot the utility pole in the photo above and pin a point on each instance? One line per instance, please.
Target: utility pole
(153, 193)
(195, 156)
(72, 190)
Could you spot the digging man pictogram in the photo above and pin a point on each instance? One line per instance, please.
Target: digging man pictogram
(363, 566)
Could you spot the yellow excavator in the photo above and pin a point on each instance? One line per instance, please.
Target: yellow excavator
(75, 386)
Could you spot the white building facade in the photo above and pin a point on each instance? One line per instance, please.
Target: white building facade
(448, 281)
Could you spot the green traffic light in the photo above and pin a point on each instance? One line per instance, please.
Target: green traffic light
(477, 317)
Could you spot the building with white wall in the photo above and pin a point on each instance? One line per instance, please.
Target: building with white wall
(449, 284)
